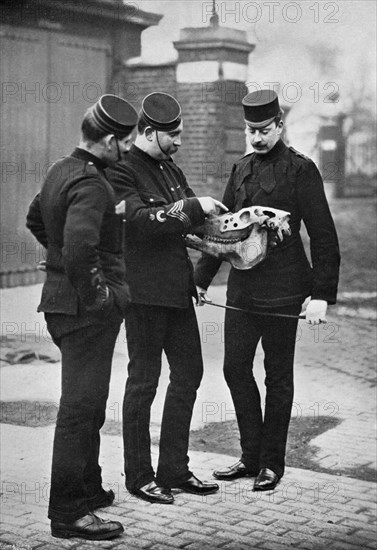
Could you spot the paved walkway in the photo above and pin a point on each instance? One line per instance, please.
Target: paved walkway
(335, 376)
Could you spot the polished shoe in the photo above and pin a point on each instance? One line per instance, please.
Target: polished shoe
(102, 500)
(89, 527)
(266, 480)
(196, 487)
(233, 472)
(154, 493)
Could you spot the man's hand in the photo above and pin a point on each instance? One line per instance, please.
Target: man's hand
(316, 312)
(211, 206)
(104, 300)
(273, 239)
(202, 295)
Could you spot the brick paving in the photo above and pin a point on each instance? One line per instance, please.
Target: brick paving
(308, 510)
(335, 372)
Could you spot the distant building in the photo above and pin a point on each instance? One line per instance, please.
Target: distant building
(347, 159)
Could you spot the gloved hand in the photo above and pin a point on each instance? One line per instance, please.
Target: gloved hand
(202, 295)
(316, 312)
(103, 302)
(273, 239)
(276, 236)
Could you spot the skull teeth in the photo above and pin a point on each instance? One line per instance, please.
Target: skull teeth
(220, 240)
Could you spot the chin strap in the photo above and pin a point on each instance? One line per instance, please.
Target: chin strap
(119, 155)
(161, 149)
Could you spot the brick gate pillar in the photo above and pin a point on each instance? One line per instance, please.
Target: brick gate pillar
(211, 72)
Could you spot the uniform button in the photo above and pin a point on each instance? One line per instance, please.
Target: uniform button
(151, 200)
(172, 189)
(90, 163)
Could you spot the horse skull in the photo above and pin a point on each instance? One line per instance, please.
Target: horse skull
(240, 238)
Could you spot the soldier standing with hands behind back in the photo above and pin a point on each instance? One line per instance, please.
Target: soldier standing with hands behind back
(84, 299)
(275, 176)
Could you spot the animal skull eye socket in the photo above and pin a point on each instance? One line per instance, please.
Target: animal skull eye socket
(269, 213)
(245, 217)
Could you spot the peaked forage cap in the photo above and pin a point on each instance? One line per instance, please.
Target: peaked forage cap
(162, 111)
(114, 115)
(261, 107)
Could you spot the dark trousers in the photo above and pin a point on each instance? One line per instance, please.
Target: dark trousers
(263, 440)
(150, 331)
(86, 366)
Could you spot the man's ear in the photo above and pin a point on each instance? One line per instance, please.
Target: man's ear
(148, 132)
(107, 141)
(280, 126)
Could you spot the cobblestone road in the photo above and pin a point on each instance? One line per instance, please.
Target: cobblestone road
(335, 376)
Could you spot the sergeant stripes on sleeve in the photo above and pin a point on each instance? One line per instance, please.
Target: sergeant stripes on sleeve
(176, 212)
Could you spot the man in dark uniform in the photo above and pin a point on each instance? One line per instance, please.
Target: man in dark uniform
(83, 298)
(275, 176)
(160, 208)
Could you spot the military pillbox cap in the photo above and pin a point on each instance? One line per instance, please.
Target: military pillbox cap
(261, 107)
(114, 115)
(162, 111)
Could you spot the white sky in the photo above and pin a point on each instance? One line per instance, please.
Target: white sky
(348, 24)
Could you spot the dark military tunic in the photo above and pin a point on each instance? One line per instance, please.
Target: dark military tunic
(160, 208)
(74, 218)
(287, 180)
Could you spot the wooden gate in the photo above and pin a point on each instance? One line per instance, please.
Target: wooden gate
(48, 80)
(361, 164)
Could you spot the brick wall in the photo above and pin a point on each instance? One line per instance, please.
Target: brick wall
(214, 133)
(213, 136)
(134, 83)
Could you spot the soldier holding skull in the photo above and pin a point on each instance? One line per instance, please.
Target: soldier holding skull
(274, 176)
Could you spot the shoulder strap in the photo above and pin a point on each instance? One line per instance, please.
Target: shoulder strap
(297, 153)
